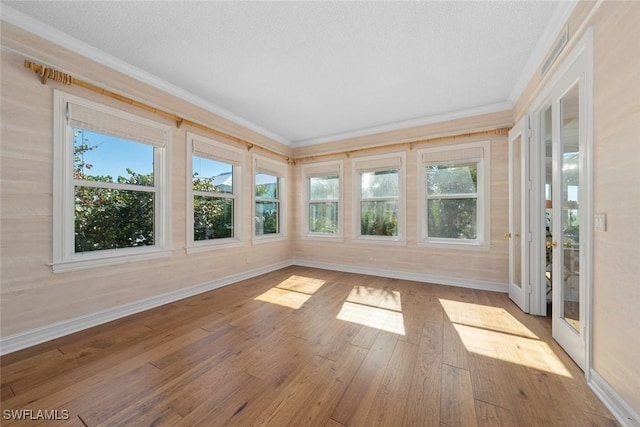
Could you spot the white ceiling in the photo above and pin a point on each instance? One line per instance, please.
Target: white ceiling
(310, 72)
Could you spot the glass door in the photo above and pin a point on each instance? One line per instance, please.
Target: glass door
(519, 288)
(568, 231)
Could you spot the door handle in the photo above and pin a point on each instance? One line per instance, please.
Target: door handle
(507, 235)
(552, 244)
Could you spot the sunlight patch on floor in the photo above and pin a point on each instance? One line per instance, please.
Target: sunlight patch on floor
(302, 284)
(494, 332)
(381, 298)
(484, 316)
(376, 308)
(532, 353)
(292, 292)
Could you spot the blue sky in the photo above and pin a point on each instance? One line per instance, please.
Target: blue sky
(112, 156)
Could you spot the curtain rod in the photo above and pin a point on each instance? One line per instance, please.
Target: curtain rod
(504, 130)
(48, 73)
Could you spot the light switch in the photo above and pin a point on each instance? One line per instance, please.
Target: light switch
(600, 222)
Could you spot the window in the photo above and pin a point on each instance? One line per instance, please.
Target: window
(379, 190)
(213, 192)
(269, 180)
(321, 201)
(110, 185)
(454, 190)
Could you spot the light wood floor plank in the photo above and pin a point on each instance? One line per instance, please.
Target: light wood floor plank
(358, 399)
(423, 404)
(457, 406)
(389, 404)
(493, 416)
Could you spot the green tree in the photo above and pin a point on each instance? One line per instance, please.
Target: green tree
(212, 216)
(108, 218)
(453, 218)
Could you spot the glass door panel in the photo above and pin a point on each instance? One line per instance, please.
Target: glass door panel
(570, 205)
(547, 172)
(518, 206)
(516, 209)
(569, 211)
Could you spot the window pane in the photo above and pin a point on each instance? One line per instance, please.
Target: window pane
(98, 157)
(266, 186)
(212, 218)
(379, 218)
(267, 220)
(380, 184)
(449, 179)
(111, 219)
(324, 187)
(323, 218)
(211, 175)
(452, 218)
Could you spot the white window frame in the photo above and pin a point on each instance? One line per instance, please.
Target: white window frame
(318, 170)
(210, 149)
(379, 163)
(64, 256)
(483, 195)
(262, 164)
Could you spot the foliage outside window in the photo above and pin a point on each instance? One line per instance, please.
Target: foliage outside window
(214, 194)
(379, 198)
(114, 205)
(267, 204)
(379, 203)
(452, 198)
(324, 194)
(454, 194)
(213, 199)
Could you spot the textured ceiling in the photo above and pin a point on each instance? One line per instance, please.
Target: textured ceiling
(306, 72)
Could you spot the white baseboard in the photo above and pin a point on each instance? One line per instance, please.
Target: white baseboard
(612, 400)
(35, 336)
(417, 277)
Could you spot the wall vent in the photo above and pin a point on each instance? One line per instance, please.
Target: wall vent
(562, 42)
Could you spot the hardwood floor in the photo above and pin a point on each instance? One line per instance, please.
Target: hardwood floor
(304, 346)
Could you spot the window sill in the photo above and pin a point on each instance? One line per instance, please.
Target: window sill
(85, 263)
(379, 240)
(212, 245)
(257, 240)
(323, 237)
(456, 246)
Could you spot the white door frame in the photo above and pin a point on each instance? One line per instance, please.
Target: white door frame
(583, 51)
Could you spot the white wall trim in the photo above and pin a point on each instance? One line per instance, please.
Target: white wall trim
(403, 275)
(612, 400)
(406, 124)
(46, 333)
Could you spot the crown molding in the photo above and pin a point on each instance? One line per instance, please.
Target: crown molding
(40, 29)
(406, 124)
(553, 28)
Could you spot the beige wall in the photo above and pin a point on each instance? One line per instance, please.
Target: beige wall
(32, 296)
(616, 162)
(488, 267)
